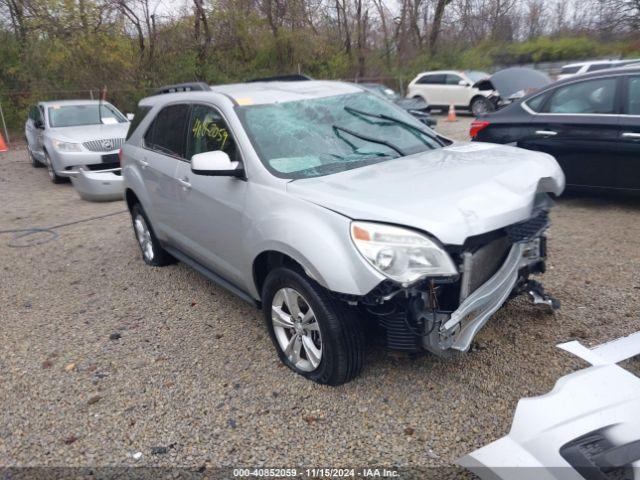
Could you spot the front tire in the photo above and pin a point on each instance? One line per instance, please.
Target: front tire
(34, 163)
(152, 252)
(313, 333)
(55, 178)
(480, 106)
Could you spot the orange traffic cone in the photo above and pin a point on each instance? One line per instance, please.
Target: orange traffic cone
(3, 146)
(452, 114)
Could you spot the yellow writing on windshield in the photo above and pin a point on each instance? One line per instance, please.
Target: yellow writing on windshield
(211, 130)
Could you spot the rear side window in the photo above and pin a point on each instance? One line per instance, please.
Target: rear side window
(141, 112)
(633, 97)
(208, 132)
(432, 79)
(590, 97)
(167, 132)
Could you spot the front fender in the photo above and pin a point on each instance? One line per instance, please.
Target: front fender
(132, 180)
(316, 238)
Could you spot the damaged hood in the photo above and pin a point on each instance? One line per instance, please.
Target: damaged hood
(517, 82)
(452, 193)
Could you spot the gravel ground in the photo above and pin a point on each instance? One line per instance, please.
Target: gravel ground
(192, 379)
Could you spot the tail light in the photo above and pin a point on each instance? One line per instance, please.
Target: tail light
(120, 156)
(476, 127)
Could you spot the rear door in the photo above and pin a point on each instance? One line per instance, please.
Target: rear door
(578, 125)
(431, 88)
(628, 172)
(211, 221)
(164, 147)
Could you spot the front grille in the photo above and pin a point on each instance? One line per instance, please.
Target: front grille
(526, 231)
(105, 145)
(103, 166)
(110, 158)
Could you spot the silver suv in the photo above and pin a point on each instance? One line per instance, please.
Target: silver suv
(339, 214)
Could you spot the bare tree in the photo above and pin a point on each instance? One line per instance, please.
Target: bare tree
(362, 25)
(534, 18)
(202, 35)
(438, 15)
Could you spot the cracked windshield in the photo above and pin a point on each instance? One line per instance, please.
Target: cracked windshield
(310, 138)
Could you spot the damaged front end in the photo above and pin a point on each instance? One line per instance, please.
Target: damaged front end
(445, 314)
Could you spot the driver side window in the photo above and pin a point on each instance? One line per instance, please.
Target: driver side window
(208, 132)
(453, 79)
(633, 97)
(34, 114)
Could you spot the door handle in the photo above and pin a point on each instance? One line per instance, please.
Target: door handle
(546, 133)
(633, 135)
(185, 183)
(143, 163)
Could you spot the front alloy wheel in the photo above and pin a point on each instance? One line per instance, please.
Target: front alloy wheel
(296, 329)
(152, 251)
(144, 237)
(55, 178)
(314, 333)
(34, 163)
(480, 106)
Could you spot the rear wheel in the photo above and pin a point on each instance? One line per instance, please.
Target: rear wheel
(312, 332)
(55, 178)
(152, 252)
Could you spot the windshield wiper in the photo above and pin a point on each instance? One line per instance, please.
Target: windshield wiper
(382, 116)
(337, 129)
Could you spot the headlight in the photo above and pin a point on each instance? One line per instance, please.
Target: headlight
(67, 146)
(399, 253)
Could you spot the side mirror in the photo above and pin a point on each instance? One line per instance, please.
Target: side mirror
(130, 116)
(215, 164)
(38, 124)
(463, 83)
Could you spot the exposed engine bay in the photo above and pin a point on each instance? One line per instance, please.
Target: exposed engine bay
(441, 315)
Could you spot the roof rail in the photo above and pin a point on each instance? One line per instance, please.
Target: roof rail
(183, 87)
(293, 77)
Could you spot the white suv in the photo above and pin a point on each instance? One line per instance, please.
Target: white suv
(461, 89)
